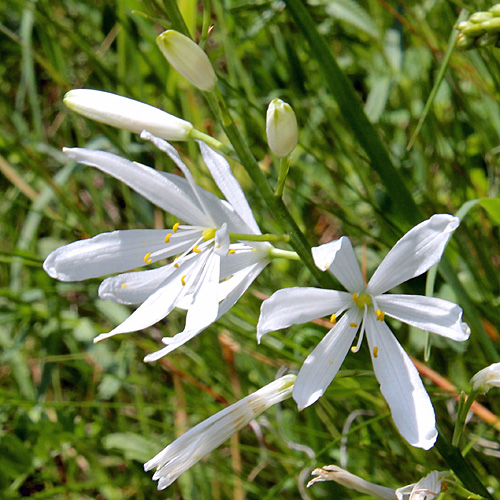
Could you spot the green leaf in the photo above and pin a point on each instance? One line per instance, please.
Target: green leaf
(352, 13)
(133, 446)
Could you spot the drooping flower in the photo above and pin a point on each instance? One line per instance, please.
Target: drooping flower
(208, 275)
(363, 308)
(128, 114)
(192, 446)
(427, 488)
(486, 378)
(281, 128)
(188, 58)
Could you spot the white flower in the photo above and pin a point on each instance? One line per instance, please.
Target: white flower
(486, 378)
(127, 114)
(188, 58)
(364, 308)
(281, 128)
(192, 446)
(208, 275)
(427, 488)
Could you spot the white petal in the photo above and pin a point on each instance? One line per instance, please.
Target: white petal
(134, 288)
(126, 113)
(158, 305)
(149, 183)
(401, 386)
(321, 366)
(222, 241)
(427, 313)
(106, 253)
(339, 257)
(293, 306)
(229, 186)
(417, 251)
(203, 310)
(244, 256)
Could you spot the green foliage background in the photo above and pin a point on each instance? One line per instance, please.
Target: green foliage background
(78, 420)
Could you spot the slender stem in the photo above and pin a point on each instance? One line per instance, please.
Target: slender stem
(297, 239)
(284, 167)
(463, 410)
(259, 237)
(175, 17)
(207, 11)
(277, 253)
(212, 142)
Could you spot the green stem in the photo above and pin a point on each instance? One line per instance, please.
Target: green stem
(276, 205)
(175, 17)
(212, 142)
(277, 253)
(284, 167)
(207, 12)
(463, 410)
(259, 237)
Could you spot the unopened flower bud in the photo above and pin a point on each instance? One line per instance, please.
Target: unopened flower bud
(479, 17)
(495, 10)
(281, 128)
(486, 378)
(127, 114)
(188, 59)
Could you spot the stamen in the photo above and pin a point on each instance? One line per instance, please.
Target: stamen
(355, 297)
(124, 285)
(362, 299)
(167, 238)
(354, 325)
(361, 333)
(333, 319)
(380, 315)
(231, 251)
(175, 227)
(183, 280)
(176, 265)
(375, 352)
(147, 258)
(196, 249)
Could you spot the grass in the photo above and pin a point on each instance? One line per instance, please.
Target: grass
(79, 419)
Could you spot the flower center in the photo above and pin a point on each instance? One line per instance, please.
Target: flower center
(208, 234)
(362, 300)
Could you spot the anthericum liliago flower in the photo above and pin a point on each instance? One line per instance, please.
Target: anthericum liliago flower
(208, 274)
(363, 308)
(192, 446)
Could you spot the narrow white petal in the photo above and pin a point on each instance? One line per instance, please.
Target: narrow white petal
(149, 183)
(222, 241)
(427, 313)
(134, 288)
(401, 386)
(321, 366)
(294, 306)
(158, 305)
(339, 257)
(229, 186)
(106, 253)
(126, 113)
(417, 251)
(244, 256)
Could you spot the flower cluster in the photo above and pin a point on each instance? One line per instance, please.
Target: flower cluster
(216, 250)
(480, 30)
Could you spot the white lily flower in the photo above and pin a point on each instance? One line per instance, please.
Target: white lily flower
(486, 378)
(188, 58)
(427, 488)
(208, 274)
(128, 114)
(199, 441)
(364, 308)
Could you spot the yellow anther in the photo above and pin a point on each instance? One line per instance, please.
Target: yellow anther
(355, 297)
(147, 258)
(218, 245)
(254, 250)
(375, 352)
(380, 315)
(232, 250)
(208, 234)
(183, 280)
(124, 285)
(175, 227)
(176, 265)
(354, 325)
(333, 319)
(196, 249)
(167, 238)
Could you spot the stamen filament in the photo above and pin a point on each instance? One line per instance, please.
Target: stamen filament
(361, 333)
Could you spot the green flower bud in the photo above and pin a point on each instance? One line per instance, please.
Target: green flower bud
(281, 128)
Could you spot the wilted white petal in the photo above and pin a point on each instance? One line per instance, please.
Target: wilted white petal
(188, 59)
(294, 306)
(401, 386)
(339, 257)
(197, 442)
(106, 253)
(427, 313)
(146, 181)
(127, 114)
(321, 366)
(427, 488)
(229, 186)
(417, 251)
(486, 378)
